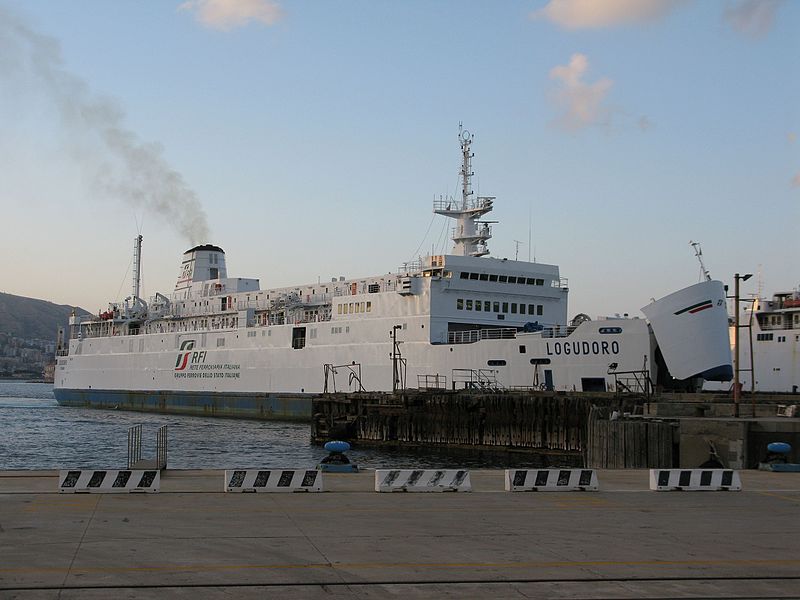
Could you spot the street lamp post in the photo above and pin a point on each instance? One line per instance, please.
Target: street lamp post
(736, 385)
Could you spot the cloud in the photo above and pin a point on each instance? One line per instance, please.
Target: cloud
(582, 103)
(753, 18)
(230, 14)
(592, 14)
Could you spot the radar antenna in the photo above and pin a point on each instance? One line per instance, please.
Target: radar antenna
(470, 233)
(698, 252)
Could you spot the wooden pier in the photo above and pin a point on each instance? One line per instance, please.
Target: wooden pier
(556, 428)
(562, 428)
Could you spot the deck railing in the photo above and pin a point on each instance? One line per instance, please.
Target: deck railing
(475, 335)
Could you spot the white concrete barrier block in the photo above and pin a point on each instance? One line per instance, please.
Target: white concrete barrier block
(273, 480)
(696, 480)
(551, 480)
(422, 480)
(109, 481)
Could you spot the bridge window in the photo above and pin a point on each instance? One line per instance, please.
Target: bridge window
(512, 279)
(492, 277)
(487, 306)
(496, 307)
(469, 304)
(539, 310)
(460, 304)
(502, 279)
(478, 305)
(484, 277)
(513, 308)
(522, 309)
(530, 281)
(505, 307)
(473, 276)
(464, 275)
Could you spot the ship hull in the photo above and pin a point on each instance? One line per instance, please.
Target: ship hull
(243, 405)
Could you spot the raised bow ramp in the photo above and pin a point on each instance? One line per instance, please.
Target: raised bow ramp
(691, 328)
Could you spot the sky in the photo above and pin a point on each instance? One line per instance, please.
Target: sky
(309, 139)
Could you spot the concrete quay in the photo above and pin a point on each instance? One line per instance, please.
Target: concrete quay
(193, 540)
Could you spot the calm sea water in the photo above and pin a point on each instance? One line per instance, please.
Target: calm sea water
(37, 433)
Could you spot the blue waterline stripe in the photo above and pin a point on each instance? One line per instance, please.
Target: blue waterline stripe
(245, 405)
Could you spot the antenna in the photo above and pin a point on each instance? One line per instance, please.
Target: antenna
(516, 249)
(698, 252)
(760, 289)
(470, 234)
(530, 227)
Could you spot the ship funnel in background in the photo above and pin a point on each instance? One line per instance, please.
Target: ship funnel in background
(201, 263)
(137, 265)
(691, 328)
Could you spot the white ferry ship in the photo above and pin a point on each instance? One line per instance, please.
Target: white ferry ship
(769, 344)
(220, 345)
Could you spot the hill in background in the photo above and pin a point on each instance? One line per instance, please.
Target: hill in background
(29, 318)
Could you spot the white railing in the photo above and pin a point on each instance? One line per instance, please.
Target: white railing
(557, 332)
(472, 203)
(475, 335)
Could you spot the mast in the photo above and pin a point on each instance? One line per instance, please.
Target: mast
(698, 252)
(470, 233)
(137, 265)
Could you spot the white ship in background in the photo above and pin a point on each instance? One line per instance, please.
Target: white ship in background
(220, 345)
(769, 344)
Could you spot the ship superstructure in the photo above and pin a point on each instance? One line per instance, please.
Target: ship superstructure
(769, 342)
(222, 345)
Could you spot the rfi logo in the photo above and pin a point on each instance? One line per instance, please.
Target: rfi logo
(186, 354)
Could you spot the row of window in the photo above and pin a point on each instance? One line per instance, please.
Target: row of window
(351, 308)
(501, 278)
(778, 319)
(534, 361)
(767, 337)
(499, 307)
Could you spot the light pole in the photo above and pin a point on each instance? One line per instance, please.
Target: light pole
(736, 385)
